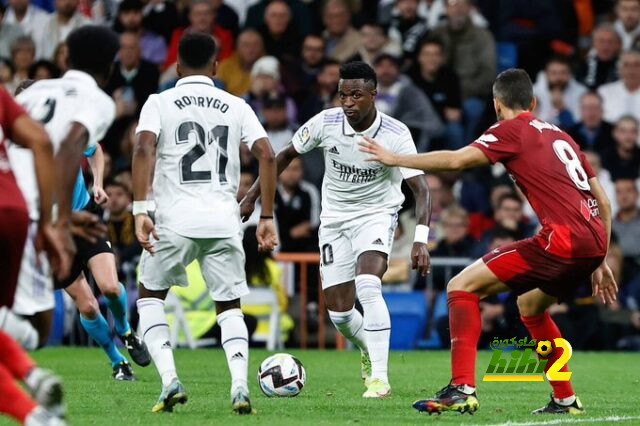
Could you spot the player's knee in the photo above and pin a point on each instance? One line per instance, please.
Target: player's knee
(528, 306)
(88, 307)
(369, 289)
(110, 290)
(458, 283)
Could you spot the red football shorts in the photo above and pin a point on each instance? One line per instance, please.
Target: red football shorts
(525, 265)
(13, 234)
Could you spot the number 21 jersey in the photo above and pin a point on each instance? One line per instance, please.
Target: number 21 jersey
(199, 129)
(552, 172)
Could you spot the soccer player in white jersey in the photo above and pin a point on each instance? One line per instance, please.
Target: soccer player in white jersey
(196, 130)
(360, 201)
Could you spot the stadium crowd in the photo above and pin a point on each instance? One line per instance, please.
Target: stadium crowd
(435, 61)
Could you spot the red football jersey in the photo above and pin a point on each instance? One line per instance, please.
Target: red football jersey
(10, 195)
(552, 172)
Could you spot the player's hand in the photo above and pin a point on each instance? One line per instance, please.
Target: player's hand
(53, 241)
(377, 152)
(266, 235)
(144, 228)
(88, 226)
(420, 259)
(246, 208)
(99, 195)
(604, 284)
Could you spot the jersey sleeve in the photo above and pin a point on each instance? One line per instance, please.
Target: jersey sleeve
(406, 146)
(96, 114)
(149, 120)
(309, 136)
(10, 112)
(251, 129)
(500, 143)
(90, 151)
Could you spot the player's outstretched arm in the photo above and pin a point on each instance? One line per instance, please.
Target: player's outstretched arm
(266, 233)
(602, 281)
(419, 253)
(283, 159)
(68, 162)
(436, 161)
(96, 163)
(141, 170)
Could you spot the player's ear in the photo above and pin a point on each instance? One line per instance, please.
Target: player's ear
(534, 103)
(179, 70)
(214, 68)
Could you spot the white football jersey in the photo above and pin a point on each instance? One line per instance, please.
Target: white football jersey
(199, 129)
(57, 103)
(353, 187)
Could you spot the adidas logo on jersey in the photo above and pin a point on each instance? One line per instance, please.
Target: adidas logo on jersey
(237, 355)
(166, 345)
(334, 150)
(378, 242)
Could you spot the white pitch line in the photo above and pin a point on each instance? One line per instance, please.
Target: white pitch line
(572, 420)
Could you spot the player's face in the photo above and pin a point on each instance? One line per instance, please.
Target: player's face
(356, 98)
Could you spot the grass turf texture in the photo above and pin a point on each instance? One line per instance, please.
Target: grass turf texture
(607, 384)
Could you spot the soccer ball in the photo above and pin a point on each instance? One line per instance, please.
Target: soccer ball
(544, 348)
(281, 375)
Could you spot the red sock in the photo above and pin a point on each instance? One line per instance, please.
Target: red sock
(464, 326)
(13, 401)
(542, 327)
(14, 358)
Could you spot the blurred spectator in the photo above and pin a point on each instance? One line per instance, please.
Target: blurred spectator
(60, 57)
(374, 43)
(604, 177)
(23, 54)
(434, 12)
(407, 27)
(592, 132)
(281, 38)
(43, 70)
(6, 71)
(628, 21)
(29, 17)
(456, 242)
(132, 75)
(623, 97)
(601, 64)
(626, 221)
(342, 41)
(471, 52)
(8, 34)
(401, 99)
(274, 112)
(120, 223)
(153, 46)
(265, 82)
(300, 73)
(298, 208)
(623, 159)
(201, 20)
(442, 86)
(226, 16)
(302, 17)
(161, 17)
(235, 71)
(320, 95)
(65, 19)
(558, 94)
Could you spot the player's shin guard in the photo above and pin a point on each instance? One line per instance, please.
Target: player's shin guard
(542, 327)
(235, 341)
(13, 401)
(19, 328)
(351, 325)
(14, 358)
(155, 333)
(118, 307)
(464, 326)
(377, 324)
(99, 331)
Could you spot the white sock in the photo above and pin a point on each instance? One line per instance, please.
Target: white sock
(377, 324)
(565, 401)
(19, 328)
(351, 325)
(155, 333)
(235, 341)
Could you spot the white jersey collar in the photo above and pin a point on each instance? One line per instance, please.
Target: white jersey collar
(195, 79)
(81, 76)
(372, 131)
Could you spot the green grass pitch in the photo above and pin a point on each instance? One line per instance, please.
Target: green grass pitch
(607, 383)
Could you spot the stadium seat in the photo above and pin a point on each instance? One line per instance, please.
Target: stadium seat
(408, 318)
(507, 54)
(259, 298)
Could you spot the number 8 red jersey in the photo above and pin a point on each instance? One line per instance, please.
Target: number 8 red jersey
(549, 168)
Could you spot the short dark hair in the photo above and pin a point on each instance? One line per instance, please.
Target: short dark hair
(377, 24)
(129, 5)
(92, 49)
(357, 70)
(559, 59)
(327, 62)
(508, 196)
(54, 71)
(514, 89)
(386, 57)
(431, 40)
(119, 184)
(197, 50)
